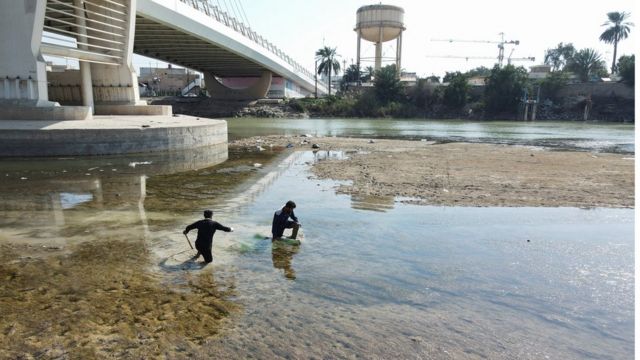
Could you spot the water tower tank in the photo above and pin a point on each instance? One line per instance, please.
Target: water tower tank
(374, 20)
(379, 24)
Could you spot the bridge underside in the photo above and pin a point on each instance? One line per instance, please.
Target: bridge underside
(159, 41)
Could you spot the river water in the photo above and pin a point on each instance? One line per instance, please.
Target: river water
(94, 264)
(569, 135)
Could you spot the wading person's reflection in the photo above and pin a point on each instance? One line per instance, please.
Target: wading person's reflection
(282, 255)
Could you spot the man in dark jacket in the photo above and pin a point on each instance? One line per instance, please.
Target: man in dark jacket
(281, 221)
(206, 229)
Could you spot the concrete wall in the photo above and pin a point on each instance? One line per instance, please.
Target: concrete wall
(598, 89)
(45, 141)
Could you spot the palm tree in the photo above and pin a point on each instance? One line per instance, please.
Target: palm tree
(585, 63)
(618, 30)
(559, 56)
(368, 73)
(326, 57)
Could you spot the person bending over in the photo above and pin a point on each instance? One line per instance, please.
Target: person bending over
(281, 221)
(206, 228)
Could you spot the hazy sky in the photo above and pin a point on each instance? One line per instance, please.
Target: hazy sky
(301, 27)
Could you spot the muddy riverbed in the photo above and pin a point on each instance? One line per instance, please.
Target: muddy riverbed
(94, 264)
(467, 174)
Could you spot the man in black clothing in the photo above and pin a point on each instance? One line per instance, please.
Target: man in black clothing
(281, 221)
(206, 229)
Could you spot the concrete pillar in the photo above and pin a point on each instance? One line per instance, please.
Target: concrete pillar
(21, 62)
(86, 85)
(378, 65)
(117, 85)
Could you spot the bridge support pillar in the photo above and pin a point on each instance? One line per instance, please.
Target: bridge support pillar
(104, 49)
(256, 91)
(22, 67)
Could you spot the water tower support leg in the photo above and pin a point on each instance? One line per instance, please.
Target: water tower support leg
(358, 57)
(379, 51)
(399, 55)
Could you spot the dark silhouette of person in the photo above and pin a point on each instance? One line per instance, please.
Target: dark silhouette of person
(281, 221)
(206, 229)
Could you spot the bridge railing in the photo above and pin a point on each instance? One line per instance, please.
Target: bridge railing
(213, 11)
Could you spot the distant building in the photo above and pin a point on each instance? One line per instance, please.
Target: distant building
(409, 78)
(477, 80)
(165, 81)
(539, 71)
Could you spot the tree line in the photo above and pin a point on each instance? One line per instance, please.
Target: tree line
(505, 87)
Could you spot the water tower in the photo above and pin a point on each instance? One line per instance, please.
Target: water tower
(379, 24)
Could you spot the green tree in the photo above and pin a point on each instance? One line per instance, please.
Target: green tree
(387, 85)
(351, 74)
(456, 93)
(424, 94)
(479, 71)
(555, 81)
(448, 76)
(618, 29)
(367, 74)
(587, 63)
(504, 89)
(627, 68)
(327, 58)
(560, 56)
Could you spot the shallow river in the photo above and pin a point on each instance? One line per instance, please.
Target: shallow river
(94, 264)
(570, 135)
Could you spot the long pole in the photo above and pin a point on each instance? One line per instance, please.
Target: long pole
(315, 76)
(191, 246)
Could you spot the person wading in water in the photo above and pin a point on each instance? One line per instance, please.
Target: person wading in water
(206, 228)
(281, 221)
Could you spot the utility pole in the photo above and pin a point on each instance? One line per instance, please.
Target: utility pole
(315, 76)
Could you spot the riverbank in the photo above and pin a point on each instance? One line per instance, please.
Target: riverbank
(608, 109)
(466, 174)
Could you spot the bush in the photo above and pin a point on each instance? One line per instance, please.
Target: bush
(456, 93)
(627, 69)
(550, 85)
(504, 89)
(387, 85)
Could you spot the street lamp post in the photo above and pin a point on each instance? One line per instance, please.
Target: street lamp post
(315, 76)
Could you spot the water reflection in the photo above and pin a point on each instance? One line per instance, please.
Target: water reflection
(282, 257)
(372, 203)
(76, 245)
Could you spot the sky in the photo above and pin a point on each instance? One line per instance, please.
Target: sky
(300, 27)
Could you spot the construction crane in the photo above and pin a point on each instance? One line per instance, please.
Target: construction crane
(509, 59)
(500, 43)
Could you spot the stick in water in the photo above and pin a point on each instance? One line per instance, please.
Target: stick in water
(185, 235)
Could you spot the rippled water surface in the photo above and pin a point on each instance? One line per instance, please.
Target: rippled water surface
(575, 135)
(94, 264)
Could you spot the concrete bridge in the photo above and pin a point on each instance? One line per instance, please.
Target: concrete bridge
(104, 34)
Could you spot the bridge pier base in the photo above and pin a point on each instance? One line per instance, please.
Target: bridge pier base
(256, 91)
(23, 73)
(28, 92)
